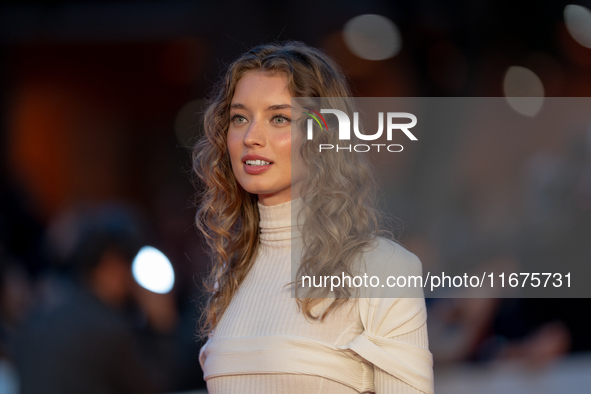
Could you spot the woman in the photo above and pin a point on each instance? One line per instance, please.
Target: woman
(257, 169)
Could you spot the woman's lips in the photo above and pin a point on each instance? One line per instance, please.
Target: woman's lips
(255, 170)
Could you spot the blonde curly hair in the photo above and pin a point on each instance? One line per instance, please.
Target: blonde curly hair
(338, 193)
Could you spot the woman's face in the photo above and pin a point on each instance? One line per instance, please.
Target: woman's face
(260, 139)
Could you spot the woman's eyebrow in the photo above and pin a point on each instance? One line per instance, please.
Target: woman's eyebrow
(270, 108)
(278, 107)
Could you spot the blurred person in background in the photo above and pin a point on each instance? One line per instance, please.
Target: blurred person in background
(82, 337)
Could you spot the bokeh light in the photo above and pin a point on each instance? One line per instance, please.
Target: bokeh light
(372, 37)
(152, 270)
(524, 90)
(187, 125)
(578, 23)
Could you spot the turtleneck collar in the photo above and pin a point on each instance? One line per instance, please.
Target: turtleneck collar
(278, 222)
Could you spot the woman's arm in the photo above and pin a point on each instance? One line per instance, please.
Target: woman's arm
(385, 382)
(394, 339)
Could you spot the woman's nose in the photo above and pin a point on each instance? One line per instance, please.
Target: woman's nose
(255, 135)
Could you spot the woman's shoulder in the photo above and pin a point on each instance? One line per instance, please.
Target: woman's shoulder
(392, 271)
(387, 254)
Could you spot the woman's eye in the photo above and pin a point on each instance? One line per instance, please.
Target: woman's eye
(280, 119)
(238, 119)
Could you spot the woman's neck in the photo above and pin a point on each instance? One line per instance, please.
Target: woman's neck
(281, 219)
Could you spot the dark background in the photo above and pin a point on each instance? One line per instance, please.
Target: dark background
(100, 100)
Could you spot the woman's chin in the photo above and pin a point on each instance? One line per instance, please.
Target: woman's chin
(274, 198)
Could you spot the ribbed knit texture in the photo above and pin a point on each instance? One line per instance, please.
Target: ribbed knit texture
(263, 344)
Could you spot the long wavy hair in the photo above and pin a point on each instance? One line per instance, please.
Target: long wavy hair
(338, 193)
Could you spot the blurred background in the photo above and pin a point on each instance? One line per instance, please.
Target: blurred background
(101, 265)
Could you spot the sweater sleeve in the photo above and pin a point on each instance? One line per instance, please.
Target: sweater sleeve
(394, 339)
(392, 382)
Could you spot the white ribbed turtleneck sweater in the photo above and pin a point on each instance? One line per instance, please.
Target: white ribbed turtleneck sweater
(263, 344)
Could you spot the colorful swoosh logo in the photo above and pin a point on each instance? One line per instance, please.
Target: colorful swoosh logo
(315, 116)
